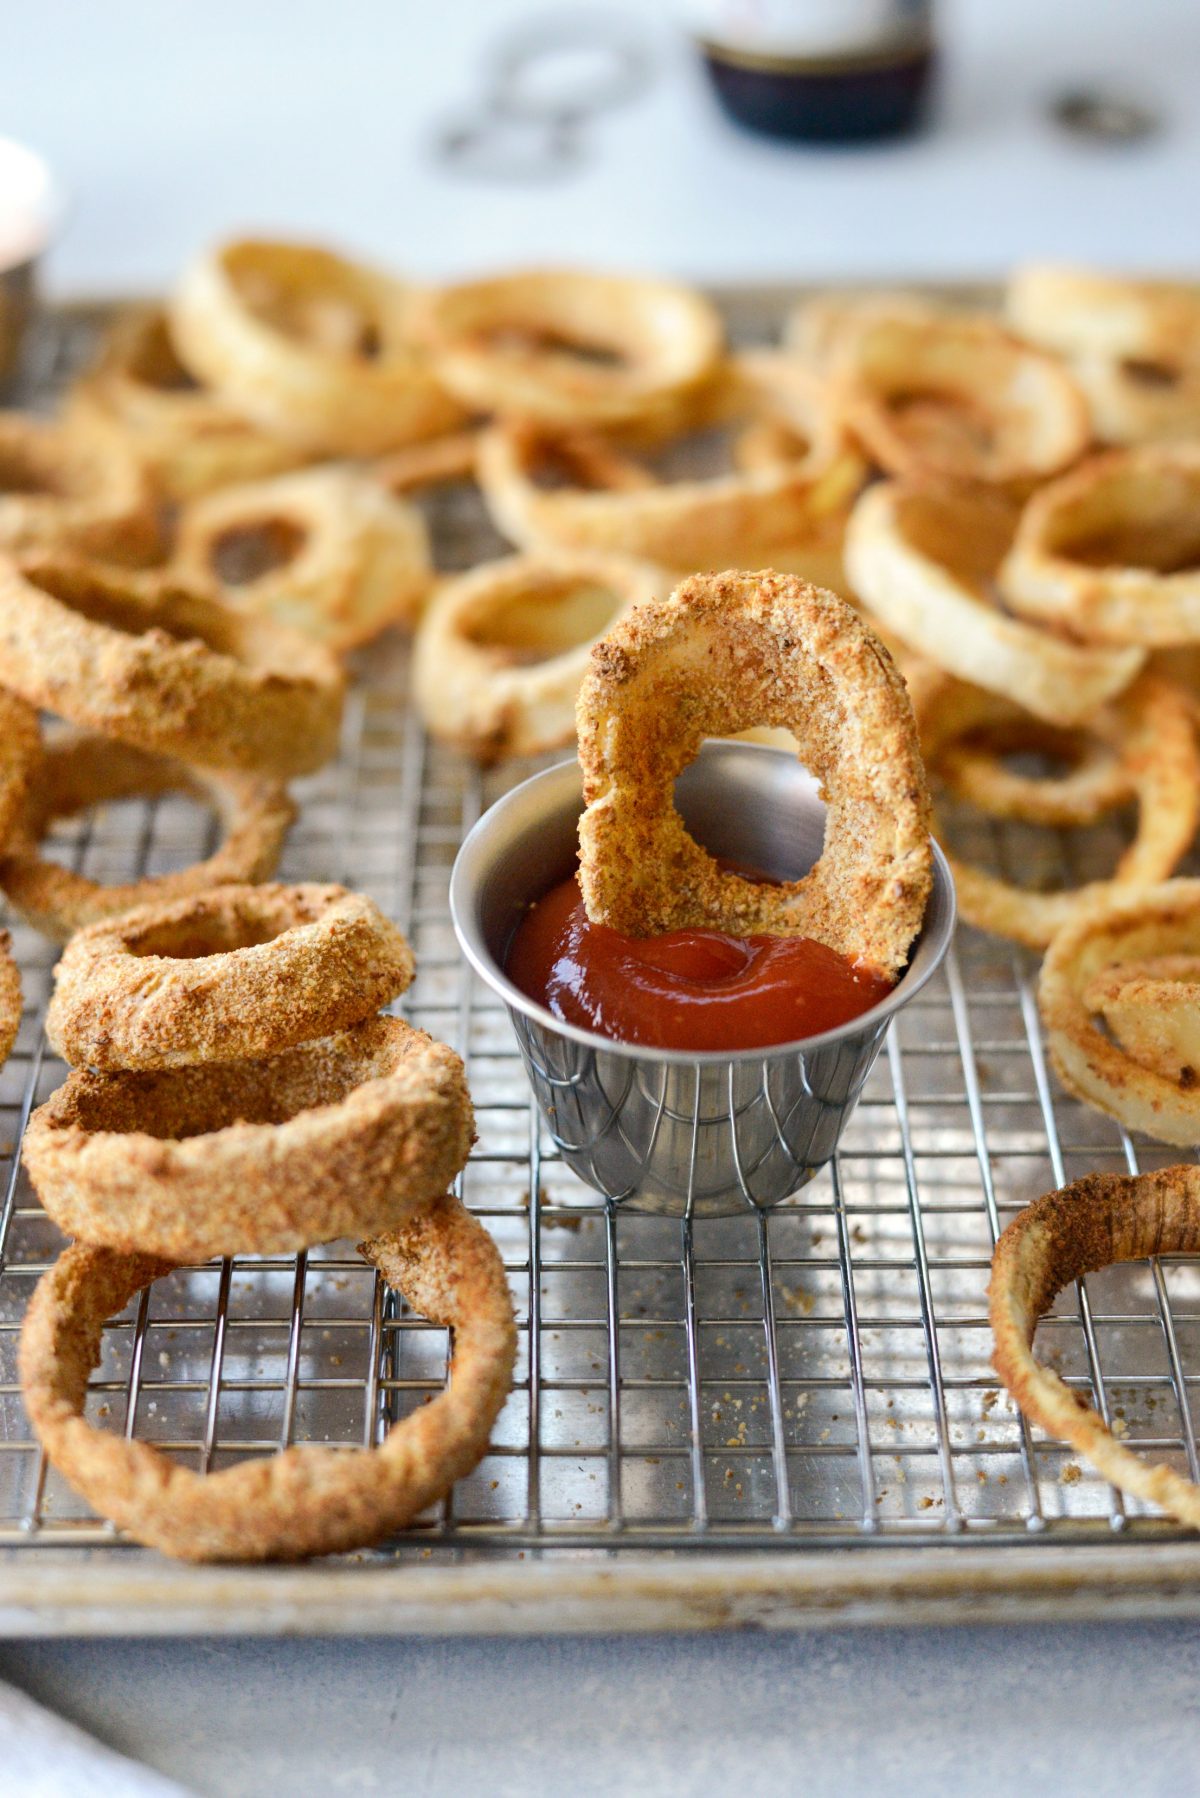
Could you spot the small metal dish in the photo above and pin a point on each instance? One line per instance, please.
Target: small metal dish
(30, 213)
(661, 1130)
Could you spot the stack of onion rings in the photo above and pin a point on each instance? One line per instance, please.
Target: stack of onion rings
(924, 560)
(1110, 551)
(188, 438)
(1096, 1222)
(82, 771)
(161, 667)
(1151, 726)
(564, 347)
(326, 552)
(307, 1500)
(224, 975)
(725, 653)
(502, 649)
(76, 489)
(315, 349)
(1116, 960)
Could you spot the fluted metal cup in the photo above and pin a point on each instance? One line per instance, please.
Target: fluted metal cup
(658, 1129)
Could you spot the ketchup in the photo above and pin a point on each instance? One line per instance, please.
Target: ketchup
(689, 989)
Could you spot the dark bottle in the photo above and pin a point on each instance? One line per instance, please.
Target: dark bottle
(819, 71)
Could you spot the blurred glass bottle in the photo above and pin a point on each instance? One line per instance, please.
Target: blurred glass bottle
(820, 71)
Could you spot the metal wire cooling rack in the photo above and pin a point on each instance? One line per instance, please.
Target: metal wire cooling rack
(815, 1377)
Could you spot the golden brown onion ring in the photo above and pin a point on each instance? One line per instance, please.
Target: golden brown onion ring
(502, 649)
(327, 552)
(20, 755)
(724, 653)
(791, 514)
(924, 558)
(1126, 929)
(187, 437)
(224, 975)
(262, 1157)
(314, 348)
(957, 398)
(10, 998)
(1118, 317)
(1151, 725)
(165, 668)
(65, 487)
(1095, 780)
(448, 457)
(1093, 1223)
(1139, 402)
(1111, 550)
(569, 347)
(817, 330)
(82, 771)
(306, 1500)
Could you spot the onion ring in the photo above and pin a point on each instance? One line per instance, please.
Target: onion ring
(82, 771)
(1111, 550)
(1084, 312)
(448, 457)
(1096, 782)
(565, 347)
(327, 552)
(20, 754)
(1152, 1008)
(955, 397)
(316, 349)
(166, 669)
(1139, 402)
(817, 329)
(924, 560)
(187, 437)
(306, 1500)
(790, 514)
(224, 975)
(10, 998)
(74, 488)
(1093, 1223)
(262, 1157)
(1162, 1100)
(1151, 725)
(724, 653)
(501, 651)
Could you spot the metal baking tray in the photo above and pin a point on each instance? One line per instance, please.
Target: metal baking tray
(779, 1420)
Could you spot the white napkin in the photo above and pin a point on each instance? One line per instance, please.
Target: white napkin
(41, 1756)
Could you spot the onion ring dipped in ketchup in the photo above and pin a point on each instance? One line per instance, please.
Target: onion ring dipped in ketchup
(693, 989)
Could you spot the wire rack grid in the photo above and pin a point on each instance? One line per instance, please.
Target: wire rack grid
(814, 1376)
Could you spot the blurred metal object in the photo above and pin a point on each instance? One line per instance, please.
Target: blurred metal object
(1105, 116)
(656, 1129)
(544, 82)
(30, 211)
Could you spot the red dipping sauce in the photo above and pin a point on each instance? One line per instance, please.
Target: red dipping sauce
(689, 989)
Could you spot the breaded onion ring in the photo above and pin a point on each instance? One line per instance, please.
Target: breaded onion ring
(1095, 780)
(1151, 726)
(187, 437)
(1111, 550)
(10, 998)
(957, 398)
(79, 772)
(309, 1499)
(264, 1157)
(20, 754)
(1093, 1223)
(1118, 317)
(224, 975)
(448, 457)
(327, 552)
(314, 348)
(817, 329)
(924, 559)
(1139, 402)
(166, 669)
(569, 347)
(790, 514)
(66, 487)
(1079, 975)
(502, 649)
(724, 653)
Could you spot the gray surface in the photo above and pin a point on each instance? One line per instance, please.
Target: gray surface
(973, 1711)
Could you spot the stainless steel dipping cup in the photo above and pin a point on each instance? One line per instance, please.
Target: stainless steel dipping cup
(659, 1129)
